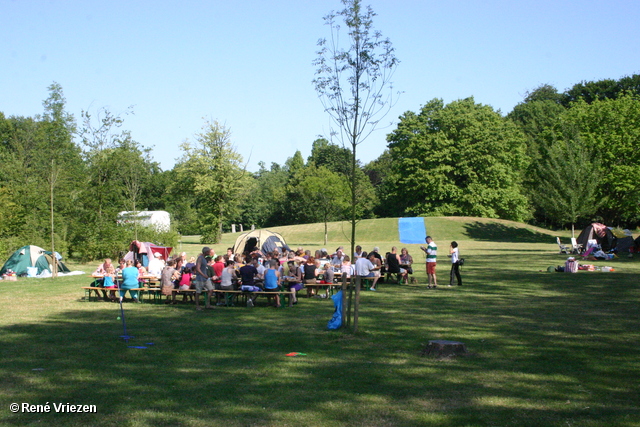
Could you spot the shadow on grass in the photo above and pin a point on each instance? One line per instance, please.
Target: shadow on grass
(545, 352)
(497, 232)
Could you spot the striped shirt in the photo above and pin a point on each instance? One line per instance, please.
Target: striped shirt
(432, 251)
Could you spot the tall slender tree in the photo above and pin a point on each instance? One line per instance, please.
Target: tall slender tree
(59, 150)
(353, 82)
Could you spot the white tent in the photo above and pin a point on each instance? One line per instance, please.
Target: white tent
(160, 220)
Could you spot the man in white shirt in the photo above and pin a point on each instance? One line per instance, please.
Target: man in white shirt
(156, 265)
(366, 268)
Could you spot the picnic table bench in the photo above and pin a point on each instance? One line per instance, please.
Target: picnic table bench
(230, 295)
(88, 289)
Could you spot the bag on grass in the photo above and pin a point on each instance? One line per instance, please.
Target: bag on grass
(336, 320)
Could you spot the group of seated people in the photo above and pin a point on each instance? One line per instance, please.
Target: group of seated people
(253, 271)
(123, 278)
(373, 265)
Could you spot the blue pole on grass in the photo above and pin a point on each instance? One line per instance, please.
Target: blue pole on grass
(126, 337)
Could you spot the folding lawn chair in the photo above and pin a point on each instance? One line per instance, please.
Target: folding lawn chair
(576, 248)
(564, 249)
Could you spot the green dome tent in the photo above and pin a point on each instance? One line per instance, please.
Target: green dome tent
(31, 256)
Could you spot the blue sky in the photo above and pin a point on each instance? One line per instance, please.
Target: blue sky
(248, 63)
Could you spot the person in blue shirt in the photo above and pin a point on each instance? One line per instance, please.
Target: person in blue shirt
(129, 281)
(272, 280)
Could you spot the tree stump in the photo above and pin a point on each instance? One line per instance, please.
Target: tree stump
(444, 348)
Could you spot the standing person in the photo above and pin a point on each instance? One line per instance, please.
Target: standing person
(454, 253)
(202, 278)
(432, 251)
(129, 281)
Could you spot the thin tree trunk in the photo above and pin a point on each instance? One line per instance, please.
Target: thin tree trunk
(344, 297)
(325, 231)
(54, 261)
(52, 182)
(356, 306)
(354, 279)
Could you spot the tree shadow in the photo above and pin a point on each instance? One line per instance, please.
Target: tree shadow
(496, 232)
(228, 367)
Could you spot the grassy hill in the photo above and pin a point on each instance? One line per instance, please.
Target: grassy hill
(474, 235)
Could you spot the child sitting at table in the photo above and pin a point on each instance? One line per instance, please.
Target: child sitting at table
(109, 281)
(327, 274)
(185, 282)
(141, 272)
(327, 278)
(346, 267)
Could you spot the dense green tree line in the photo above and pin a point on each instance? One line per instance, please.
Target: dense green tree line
(558, 158)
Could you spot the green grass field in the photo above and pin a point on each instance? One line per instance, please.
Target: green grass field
(545, 349)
